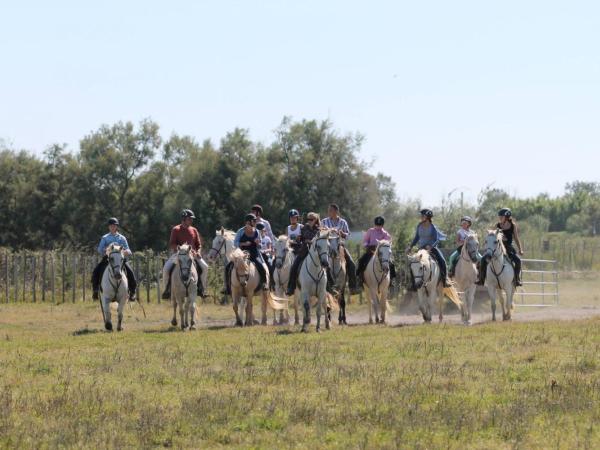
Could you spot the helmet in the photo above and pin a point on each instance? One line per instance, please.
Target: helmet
(249, 217)
(113, 221)
(260, 226)
(257, 208)
(467, 219)
(505, 212)
(188, 213)
(379, 220)
(293, 213)
(427, 212)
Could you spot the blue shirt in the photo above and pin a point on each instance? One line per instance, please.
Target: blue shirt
(238, 235)
(337, 224)
(432, 236)
(109, 238)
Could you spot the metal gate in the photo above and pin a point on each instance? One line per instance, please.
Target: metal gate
(540, 280)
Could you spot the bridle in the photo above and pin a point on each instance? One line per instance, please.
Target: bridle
(381, 263)
(185, 272)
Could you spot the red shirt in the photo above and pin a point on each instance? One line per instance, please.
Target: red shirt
(184, 235)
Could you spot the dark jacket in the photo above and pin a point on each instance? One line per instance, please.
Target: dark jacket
(306, 235)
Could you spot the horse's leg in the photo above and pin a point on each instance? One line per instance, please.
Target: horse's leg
(342, 315)
(384, 304)
(120, 312)
(431, 304)
(306, 306)
(174, 319)
(492, 294)
(236, 303)
(296, 307)
(323, 301)
(509, 302)
(249, 309)
(181, 305)
(370, 302)
(263, 298)
(440, 303)
(107, 314)
(192, 311)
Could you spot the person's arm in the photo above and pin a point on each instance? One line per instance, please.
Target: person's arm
(436, 236)
(125, 245)
(459, 241)
(518, 239)
(102, 246)
(345, 230)
(198, 242)
(366, 238)
(238, 235)
(416, 238)
(173, 241)
(388, 236)
(270, 231)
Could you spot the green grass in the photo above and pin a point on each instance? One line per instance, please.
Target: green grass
(65, 383)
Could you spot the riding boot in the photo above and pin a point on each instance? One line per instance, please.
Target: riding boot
(131, 282)
(482, 268)
(363, 261)
(228, 269)
(200, 290)
(166, 295)
(517, 262)
(355, 288)
(437, 254)
(293, 276)
(330, 287)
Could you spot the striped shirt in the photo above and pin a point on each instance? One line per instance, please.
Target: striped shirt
(338, 224)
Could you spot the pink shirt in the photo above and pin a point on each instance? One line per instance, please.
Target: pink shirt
(373, 235)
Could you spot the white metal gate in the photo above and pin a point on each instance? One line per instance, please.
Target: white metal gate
(540, 280)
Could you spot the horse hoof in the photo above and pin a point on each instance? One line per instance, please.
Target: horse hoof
(119, 328)
(108, 326)
(318, 330)
(192, 328)
(327, 326)
(304, 329)
(239, 323)
(174, 322)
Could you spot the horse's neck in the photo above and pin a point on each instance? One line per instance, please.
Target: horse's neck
(498, 259)
(228, 249)
(313, 260)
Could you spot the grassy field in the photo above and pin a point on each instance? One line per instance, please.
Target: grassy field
(65, 383)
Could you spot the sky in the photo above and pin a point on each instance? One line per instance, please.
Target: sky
(450, 96)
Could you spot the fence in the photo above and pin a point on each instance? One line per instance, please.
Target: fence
(544, 282)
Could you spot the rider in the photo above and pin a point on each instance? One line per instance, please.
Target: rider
(113, 237)
(293, 230)
(266, 245)
(370, 241)
(310, 229)
(185, 233)
(427, 237)
(510, 231)
(248, 239)
(336, 222)
(258, 212)
(461, 235)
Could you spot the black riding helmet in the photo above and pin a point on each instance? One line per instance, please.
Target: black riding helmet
(260, 226)
(379, 220)
(113, 221)
(294, 213)
(188, 213)
(505, 212)
(426, 212)
(467, 219)
(249, 217)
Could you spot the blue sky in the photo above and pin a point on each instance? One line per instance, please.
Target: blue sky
(448, 94)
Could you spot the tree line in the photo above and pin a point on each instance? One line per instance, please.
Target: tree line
(63, 198)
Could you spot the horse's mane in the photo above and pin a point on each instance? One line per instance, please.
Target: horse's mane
(185, 247)
(283, 238)
(114, 247)
(421, 256)
(238, 256)
(227, 234)
(384, 242)
(499, 235)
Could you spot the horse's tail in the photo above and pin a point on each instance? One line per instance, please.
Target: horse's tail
(277, 303)
(452, 294)
(332, 302)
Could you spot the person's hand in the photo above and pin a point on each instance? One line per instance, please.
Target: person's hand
(521, 252)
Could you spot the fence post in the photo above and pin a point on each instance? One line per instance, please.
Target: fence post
(64, 265)
(136, 272)
(33, 269)
(74, 277)
(158, 278)
(147, 277)
(44, 277)
(24, 268)
(16, 277)
(52, 277)
(84, 276)
(7, 275)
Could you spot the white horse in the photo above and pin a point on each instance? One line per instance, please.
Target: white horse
(284, 258)
(338, 272)
(426, 273)
(114, 285)
(376, 279)
(184, 282)
(313, 278)
(500, 274)
(222, 246)
(466, 274)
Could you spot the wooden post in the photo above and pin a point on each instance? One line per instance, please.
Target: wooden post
(52, 276)
(84, 275)
(16, 277)
(7, 275)
(64, 269)
(44, 277)
(136, 273)
(34, 278)
(74, 278)
(24, 268)
(158, 278)
(147, 277)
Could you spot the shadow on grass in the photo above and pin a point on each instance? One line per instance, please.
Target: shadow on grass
(85, 331)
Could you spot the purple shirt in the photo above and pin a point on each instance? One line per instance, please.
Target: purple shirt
(373, 235)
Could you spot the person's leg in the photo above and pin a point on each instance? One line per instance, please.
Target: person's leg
(96, 276)
(453, 260)
(392, 270)
(131, 281)
(258, 262)
(512, 253)
(227, 281)
(362, 265)
(439, 257)
(482, 268)
(351, 271)
(202, 269)
(166, 276)
(294, 275)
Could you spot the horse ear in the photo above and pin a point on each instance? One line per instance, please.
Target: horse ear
(222, 231)
(178, 247)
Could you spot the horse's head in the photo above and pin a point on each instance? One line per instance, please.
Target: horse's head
(493, 244)
(185, 261)
(321, 245)
(241, 266)
(116, 260)
(335, 242)
(384, 254)
(419, 264)
(471, 246)
(281, 247)
(219, 244)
